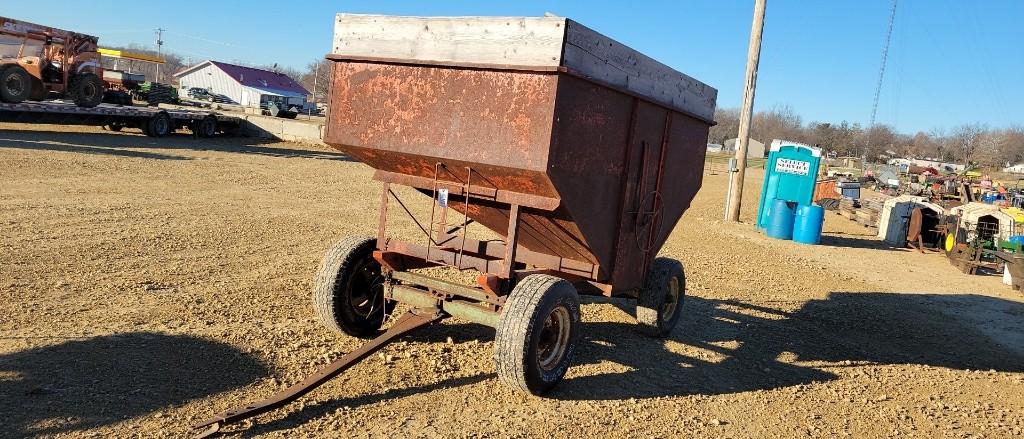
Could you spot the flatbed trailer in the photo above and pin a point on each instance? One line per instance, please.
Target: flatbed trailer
(153, 121)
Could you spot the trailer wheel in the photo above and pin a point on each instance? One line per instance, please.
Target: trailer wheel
(348, 291)
(536, 334)
(207, 127)
(15, 84)
(159, 125)
(86, 90)
(659, 304)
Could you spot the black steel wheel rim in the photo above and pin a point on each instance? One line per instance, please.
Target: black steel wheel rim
(161, 126)
(554, 338)
(89, 91)
(14, 84)
(672, 298)
(366, 289)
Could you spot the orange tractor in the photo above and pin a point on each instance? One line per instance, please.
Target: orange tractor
(36, 61)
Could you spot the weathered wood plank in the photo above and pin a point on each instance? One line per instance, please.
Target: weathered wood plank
(596, 56)
(517, 41)
(521, 42)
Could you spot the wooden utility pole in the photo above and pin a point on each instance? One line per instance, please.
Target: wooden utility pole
(747, 113)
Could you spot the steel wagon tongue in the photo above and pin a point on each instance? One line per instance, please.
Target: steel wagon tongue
(580, 152)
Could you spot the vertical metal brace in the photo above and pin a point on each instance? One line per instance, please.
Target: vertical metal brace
(465, 213)
(510, 242)
(656, 201)
(433, 207)
(382, 222)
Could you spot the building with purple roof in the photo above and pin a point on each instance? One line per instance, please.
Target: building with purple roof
(246, 86)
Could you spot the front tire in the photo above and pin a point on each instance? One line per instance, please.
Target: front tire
(659, 305)
(15, 84)
(536, 334)
(348, 292)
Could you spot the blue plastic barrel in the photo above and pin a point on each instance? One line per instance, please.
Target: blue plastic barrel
(780, 219)
(807, 224)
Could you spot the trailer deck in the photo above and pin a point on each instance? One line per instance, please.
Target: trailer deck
(153, 121)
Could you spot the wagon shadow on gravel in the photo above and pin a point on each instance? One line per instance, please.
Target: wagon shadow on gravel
(116, 143)
(741, 344)
(88, 383)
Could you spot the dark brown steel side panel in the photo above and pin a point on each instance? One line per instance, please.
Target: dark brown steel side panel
(644, 155)
(588, 143)
(684, 164)
(405, 118)
(598, 156)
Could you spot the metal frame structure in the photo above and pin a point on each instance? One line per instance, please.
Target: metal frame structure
(117, 117)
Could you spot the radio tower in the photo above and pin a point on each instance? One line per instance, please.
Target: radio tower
(881, 70)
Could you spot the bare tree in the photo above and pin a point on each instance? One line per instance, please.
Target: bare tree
(317, 79)
(966, 140)
(840, 138)
(728, 125)
(879, 140)
(778, 123)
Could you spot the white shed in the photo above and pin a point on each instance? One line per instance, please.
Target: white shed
(895, 217)
(988, 220)
(755, 149)
(246, 86)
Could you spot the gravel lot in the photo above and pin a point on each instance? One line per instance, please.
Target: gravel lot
(147, 283)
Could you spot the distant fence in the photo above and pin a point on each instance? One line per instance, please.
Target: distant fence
(718, 162)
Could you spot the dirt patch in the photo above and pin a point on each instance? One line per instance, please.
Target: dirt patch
(147, 283)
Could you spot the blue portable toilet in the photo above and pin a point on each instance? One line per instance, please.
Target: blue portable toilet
(790, 174)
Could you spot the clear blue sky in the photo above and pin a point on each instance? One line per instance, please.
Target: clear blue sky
(951, 61)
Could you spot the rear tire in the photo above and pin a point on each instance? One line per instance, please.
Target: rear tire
(536, 334)
(207, 127)
(660, 303)
(15, 84)
(159, 125)
(348, 291)
(86, 90)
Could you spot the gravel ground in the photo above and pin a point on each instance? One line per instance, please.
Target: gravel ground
(147, 283)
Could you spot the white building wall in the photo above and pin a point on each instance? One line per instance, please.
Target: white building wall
(216, 80)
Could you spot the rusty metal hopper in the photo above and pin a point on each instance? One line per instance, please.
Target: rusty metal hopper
(601, 146)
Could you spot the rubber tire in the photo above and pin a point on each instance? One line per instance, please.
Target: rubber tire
(330, 298)
(517, 336)
(651, 300)
(207, 127)
(86, 90)
(159, 125)
(39, 91)
(17, 73)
